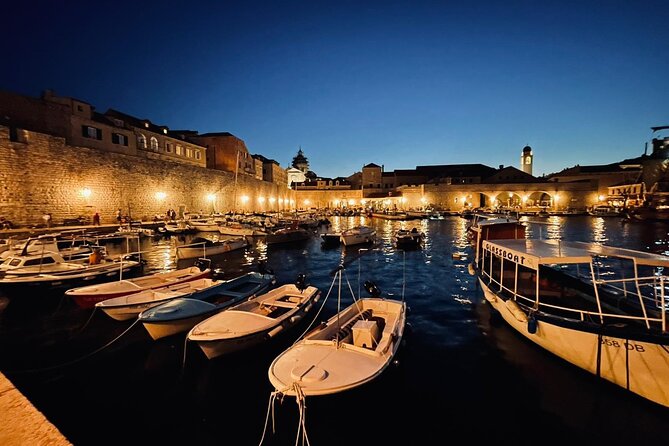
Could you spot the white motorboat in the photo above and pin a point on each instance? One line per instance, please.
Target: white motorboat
(358, 235)
(254, 321)
(203, 247)
(236, 228)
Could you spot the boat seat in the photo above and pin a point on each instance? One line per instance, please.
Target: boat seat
(347, 329)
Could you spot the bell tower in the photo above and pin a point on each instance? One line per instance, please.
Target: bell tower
(526, 159)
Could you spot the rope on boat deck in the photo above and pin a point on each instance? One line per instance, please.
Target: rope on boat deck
(300, 399)
(74, 361)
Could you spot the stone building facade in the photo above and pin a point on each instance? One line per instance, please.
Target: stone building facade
(43, 173)
(80, 125)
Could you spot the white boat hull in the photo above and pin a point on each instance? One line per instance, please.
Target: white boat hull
(159, 330)
(639, 366)
(323, 363)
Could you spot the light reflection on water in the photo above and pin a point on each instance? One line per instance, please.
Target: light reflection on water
(445, 344)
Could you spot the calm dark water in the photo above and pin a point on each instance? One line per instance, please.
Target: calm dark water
(459, 374)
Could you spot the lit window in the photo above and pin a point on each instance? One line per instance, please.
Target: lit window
(141, 141)
(154, 143)
(189, 152)
(180, 150)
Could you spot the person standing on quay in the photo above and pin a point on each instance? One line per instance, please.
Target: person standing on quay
(118, 216)
(96, 219)
(47, 219)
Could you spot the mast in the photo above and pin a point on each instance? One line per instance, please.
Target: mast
(236, 173)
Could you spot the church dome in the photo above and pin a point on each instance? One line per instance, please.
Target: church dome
(527, 149)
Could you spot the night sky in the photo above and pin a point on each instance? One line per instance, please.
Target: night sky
(399, 84)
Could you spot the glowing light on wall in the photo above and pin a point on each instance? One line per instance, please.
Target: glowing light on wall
(524, 199)
(245, 199)
(272, 200)
(600, 198)
(306, 202)
(85, 192)
(351, 202)
(211, 197)
(336, 202)
(403, 199)
(261, 200)
(160, 195)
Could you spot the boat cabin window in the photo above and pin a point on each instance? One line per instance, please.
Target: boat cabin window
(12, 262)
(42, 261)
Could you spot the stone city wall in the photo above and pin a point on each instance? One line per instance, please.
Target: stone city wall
(42, 174)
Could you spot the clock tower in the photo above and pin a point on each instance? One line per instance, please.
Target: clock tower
(526, 160)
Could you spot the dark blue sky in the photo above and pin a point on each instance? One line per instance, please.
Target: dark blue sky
(394, 83)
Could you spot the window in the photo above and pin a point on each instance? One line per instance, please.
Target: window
(16, 135)
(169, 147)
(154, 143)
(91, 132)
(189, 152)
(198, 155)
(120, 139)
(141, 141)
(180, 150)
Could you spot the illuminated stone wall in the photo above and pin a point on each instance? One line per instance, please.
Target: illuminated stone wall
(43, 174)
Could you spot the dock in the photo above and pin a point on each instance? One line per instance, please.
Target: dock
(22, 423)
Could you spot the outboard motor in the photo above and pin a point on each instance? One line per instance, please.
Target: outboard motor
(372, 289)
(263, 268)
(203, 264)
(301, 282)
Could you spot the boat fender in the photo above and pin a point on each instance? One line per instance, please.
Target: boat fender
(515, 310)
(471, 269)
(531, 323)
(273, 332)
(295, 318)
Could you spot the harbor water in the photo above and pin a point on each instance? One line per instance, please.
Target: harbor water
(460, 374)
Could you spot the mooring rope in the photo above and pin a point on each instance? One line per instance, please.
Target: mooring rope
(317, 313)
(74, 361)
(301, 400)
(87, 322)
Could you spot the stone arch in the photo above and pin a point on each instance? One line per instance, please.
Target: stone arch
(539, 198)
(507, 200)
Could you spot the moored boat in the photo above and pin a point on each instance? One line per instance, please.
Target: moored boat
(358, 235)
(408, 239)
(254, 321)
(352, 348)
(287, 235)
(612, 325)
(127, 307)
(181, 314)
(203, 247)
(88, 296)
